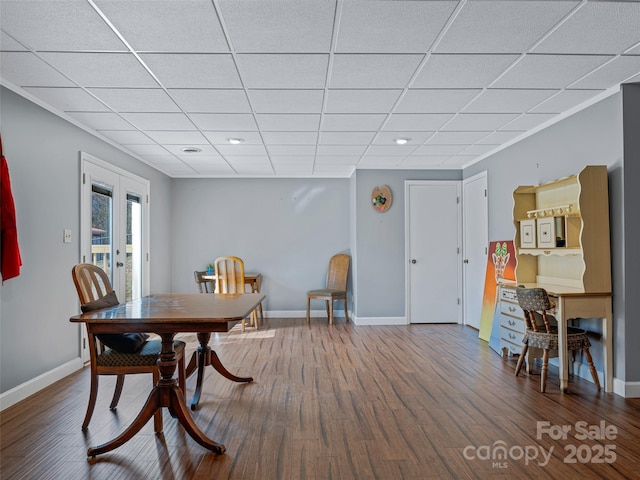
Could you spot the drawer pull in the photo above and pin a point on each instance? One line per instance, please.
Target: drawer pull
(512, 309)
(512, 322)
(512, 336)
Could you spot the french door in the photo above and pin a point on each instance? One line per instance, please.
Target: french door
(114, 226)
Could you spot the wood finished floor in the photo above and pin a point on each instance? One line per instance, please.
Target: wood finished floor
(334, 402)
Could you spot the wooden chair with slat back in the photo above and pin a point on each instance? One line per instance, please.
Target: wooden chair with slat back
(535, 303)
(230, 279)
(95, 291)
(204, 286)
(336, 286)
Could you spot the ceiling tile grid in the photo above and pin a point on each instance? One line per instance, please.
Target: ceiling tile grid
(283, 88)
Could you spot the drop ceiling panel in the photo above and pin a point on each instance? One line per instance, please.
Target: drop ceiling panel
(101, 120)
(101, 69)
(279, 26)
(200, 70)
(27, 70)
(159, 121)
(178, 137)
(549, 71)
(325, 84)
(619, 70)
(337, 122)
(136, 99)
(291, 150)
(462, 71)
(68, 99)
(501, 27)
(391, 26)
(201, 100)
(361, 101)
(127, 137)
(401, 122)
(167, 26)
(58, 25)
(565, 100)
(225, 122)
(288, 122)
(283, 71)
(508, 101)
(222, 137)
(346, 138)
(435, 100)
(286, 101)
(290, 138)
(373, 71)
(583, 34)
(528, 121)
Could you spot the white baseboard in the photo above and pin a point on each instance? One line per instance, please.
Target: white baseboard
(626, 389)
(379, 320)
(338, 313)
(16, 394)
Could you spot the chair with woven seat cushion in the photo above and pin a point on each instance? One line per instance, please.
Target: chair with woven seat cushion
(117, 354)
(535, 304)
(336, 286)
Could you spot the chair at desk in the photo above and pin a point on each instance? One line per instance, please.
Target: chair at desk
(230, 279)
(535, 303)
(126, 353)
(204, 286)
(336, 286)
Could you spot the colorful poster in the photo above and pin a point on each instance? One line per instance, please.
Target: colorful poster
(501, 267)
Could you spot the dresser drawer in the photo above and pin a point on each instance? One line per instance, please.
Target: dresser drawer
(513, 309)
(511, 336)
(512, 323)
(508, 294)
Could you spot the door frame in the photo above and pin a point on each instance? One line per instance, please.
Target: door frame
(88, 161)
(465, 238)
(407, 226)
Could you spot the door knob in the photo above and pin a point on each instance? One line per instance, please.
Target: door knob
(413, 261)
(465, 261)
(119, 264)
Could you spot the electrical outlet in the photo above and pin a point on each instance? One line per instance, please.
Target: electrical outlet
(67, 236)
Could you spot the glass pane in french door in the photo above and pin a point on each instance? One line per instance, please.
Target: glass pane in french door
(133, 262)
(102, 228)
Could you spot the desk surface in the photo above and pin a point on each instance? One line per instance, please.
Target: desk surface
(172, 312)
(556, 290)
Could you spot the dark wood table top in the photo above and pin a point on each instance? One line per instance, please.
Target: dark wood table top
(173, 312)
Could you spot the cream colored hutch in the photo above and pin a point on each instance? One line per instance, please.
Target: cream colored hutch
(562, 244)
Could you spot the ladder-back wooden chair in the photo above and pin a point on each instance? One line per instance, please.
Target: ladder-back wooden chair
(117, 354)
(535, 303)
(204, 286)
(230, 279)
(336, 286)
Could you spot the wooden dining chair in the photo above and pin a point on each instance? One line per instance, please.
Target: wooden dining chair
(336, 286)
(535, 303)
(204, 286)
(118, 354)
(230, 279)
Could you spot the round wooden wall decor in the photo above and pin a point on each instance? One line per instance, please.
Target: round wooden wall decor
(381, 198)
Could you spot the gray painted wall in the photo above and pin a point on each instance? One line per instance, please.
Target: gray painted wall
(42, 152)
(380, 243)
(593, 136)
(286, 229)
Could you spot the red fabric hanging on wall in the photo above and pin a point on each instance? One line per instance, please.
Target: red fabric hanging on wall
(10, 260)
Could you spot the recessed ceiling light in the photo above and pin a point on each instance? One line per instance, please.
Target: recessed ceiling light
(191, 149)
(401, 141)
(235, 141)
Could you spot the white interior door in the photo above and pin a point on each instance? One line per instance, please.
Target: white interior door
(433, 233)
(475, 233)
